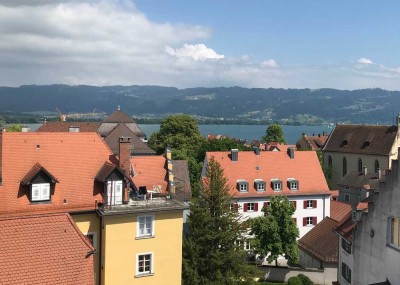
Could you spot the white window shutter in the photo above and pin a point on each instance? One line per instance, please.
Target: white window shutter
(45, 192)
(118, 192)
(36, 192)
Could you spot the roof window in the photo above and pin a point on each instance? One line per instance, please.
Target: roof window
(259, 184)
(293, 184)
(243, 186)
(276, 184)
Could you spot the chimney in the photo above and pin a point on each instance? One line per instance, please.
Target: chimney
(171, 182)
(379, 173)
(73, 129)
(365, 170)
(234, 154)
(24, 129)
(319, 135)
(256, 150)
(124, 154)
(290, 152)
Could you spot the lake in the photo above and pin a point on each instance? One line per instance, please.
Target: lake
(249, 132)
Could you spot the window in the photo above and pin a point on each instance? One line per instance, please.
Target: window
(376, 166)
(114, 192)
(276, 184)
(250, 207)
(344, 166)
(40, 192)
(330, 161)
(293, 184)
(145, 226)
(394, 231)
(259, 185)
(144, 264)
(243, 186)
(346, 272)
(360, 167)
(247, 246)
(346, 246)
(309, 204)
(347, 197)
(309, 221)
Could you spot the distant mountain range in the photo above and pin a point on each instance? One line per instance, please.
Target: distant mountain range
(282, 105)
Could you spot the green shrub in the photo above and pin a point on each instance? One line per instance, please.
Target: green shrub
(294, 281)
(305, 280)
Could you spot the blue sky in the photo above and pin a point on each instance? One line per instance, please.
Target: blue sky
(189, 43)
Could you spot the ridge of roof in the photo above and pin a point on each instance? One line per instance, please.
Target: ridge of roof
(118, 116)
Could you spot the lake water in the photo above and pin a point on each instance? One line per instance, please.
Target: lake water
(249, 132)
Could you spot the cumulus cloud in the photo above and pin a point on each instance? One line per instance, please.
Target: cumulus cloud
(364, 60)
(109, 42)
(196, 52)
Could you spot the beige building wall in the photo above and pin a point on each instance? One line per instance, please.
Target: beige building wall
(90, 224)
(352, 163)
(121, 246)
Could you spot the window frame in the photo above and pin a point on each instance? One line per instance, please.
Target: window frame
(291, 183)
(138, 228)
(253, 205)
(41, 187)
(258, 183)
(275, 183)
(111, 184)
(346, 272)
(312, 204)
(346, 246)
(309, 221)
(244, 184)
(145, 273)
(392, 221)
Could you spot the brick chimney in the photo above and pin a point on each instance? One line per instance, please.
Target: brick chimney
(124, 154)
(171, 182)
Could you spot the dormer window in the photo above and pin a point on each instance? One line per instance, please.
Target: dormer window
(293, 184)
(243, 186)
(259, 185)
(39, 181)
(276, 184)
(40, 192)
(114, 181)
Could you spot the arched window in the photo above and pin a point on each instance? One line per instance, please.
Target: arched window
(376, 165)
(344, 166)
(360, 166)
(330, 161)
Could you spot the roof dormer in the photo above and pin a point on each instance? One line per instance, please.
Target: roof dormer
(40, 182)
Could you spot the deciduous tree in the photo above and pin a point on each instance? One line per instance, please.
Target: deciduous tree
(274, 133)
(276, 232)
(209, 253)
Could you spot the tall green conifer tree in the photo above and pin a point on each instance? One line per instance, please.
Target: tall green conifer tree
(210, 255)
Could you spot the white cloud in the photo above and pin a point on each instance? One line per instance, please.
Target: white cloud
(364, 60)
(269, 63)
(110, 42)
(196, 52)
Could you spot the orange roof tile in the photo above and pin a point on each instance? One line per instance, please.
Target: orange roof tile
(339, 210)
(305, 168)
(74, 158)
(150, 171)
(44, 250)
(322, 242)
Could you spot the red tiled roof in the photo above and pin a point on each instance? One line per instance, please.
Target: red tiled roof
(339, 210)
(44, 250)
(345, 227)
(322, 242)
(316, 142)
(74, 158)
(305, 168)
(150, 171)
(64, 126)
(35, 170)
(278, 146)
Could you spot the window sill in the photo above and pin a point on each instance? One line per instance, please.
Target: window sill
(144, 275)
(145, 237)
(393, 246)
(40, 202)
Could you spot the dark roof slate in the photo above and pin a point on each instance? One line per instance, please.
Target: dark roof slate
(137, 145)
(369, 181)
(362, 139)
(182, 180)
(118, 117)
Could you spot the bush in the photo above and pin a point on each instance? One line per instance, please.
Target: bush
(294, 281)
(305, 280)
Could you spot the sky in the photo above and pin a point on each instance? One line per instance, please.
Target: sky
(201, 43)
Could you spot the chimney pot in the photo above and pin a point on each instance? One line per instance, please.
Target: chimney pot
(124, 154)
(290, 152)
(234, 154)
